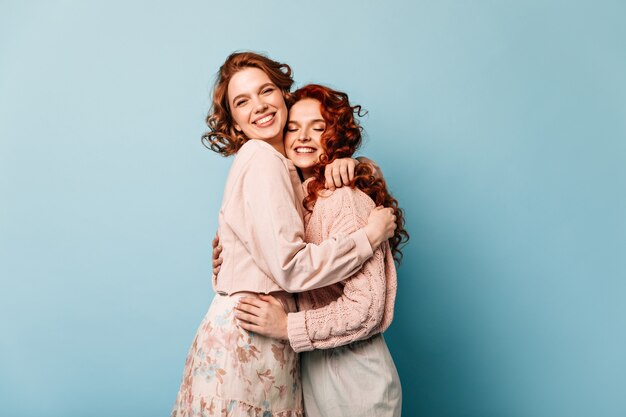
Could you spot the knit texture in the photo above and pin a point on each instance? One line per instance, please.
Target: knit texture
(361, 305)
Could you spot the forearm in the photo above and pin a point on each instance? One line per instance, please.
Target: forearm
(355, 315)
(317, 266)
(271, 228)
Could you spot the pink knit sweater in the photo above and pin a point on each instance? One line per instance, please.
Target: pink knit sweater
(361, 305)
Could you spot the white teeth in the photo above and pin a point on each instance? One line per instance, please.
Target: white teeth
(305, 150)
(264, 119)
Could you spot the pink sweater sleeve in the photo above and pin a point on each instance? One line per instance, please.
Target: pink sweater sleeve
(359, 311)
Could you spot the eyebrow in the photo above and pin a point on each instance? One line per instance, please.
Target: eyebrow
(260, 88)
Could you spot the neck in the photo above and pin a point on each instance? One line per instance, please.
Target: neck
(277, 143)
(306, 173)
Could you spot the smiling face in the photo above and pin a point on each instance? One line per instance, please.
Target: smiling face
(257, 106)
(303, 139)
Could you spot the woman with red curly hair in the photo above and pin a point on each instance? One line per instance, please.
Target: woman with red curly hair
(228, 370)
(347, 369)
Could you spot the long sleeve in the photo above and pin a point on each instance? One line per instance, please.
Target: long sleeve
(271, 229)
(355, 315)
(359, 311)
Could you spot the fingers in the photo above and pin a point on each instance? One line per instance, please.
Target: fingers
(337, 177)
(249, 311)
(249, 327)
(351, 168)
(339, 173)
(390, 221)
(270, 299)
(250, 305)
(343, 171)
(217, 250)
(275, 301)
(330, 184)
(255, 301)
(248, 318)
(346, 170)
(217, 261)
(248, 308)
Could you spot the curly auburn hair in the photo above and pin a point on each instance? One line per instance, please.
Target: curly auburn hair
(340, 139)
(222, 136)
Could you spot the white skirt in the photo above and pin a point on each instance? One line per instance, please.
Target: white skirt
(356, 380)
(230, 372)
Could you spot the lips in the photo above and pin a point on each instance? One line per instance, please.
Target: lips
(264, 120)
(304, 149)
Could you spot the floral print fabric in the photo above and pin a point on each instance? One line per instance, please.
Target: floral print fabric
(230, 372)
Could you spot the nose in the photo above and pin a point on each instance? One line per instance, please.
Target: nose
(260, 106)
(305, 135)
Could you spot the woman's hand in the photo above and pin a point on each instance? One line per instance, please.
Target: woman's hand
(340, 172)
(381, 225)
(264, 315)
(217, 260)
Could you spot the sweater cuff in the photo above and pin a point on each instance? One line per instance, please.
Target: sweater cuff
(296, 330)
(363, 247)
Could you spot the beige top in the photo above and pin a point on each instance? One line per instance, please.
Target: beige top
(356, 308)
(262, 233)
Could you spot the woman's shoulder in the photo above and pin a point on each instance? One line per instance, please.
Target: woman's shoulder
(257, 147)
(346, 198)
(256, 153)
(345, 209)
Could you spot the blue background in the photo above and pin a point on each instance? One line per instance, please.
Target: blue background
(500, 127)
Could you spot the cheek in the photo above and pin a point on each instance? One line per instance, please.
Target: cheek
(290, 153)
(318, 144)
(279, 103)
(238, 117)
(316, 138)
(289, 138)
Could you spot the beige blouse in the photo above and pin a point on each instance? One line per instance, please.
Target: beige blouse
(262, 234)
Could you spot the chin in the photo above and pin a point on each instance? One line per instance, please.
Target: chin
(268, 136)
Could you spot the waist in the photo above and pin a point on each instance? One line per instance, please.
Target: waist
(253, 281)
(286, 299)
(240, 294)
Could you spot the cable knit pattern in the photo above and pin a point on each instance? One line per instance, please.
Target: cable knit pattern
(357, 307)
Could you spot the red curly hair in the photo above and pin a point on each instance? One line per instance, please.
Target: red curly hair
(222, 136)
(340, 139)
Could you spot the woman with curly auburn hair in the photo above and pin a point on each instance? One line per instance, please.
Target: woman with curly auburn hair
(347, 369)
(229, 371)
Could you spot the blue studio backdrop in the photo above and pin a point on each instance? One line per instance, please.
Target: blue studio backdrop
(499, 125)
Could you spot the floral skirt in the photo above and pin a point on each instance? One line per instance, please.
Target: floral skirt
(230, 372)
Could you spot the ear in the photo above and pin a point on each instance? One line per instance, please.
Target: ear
(237, 127)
